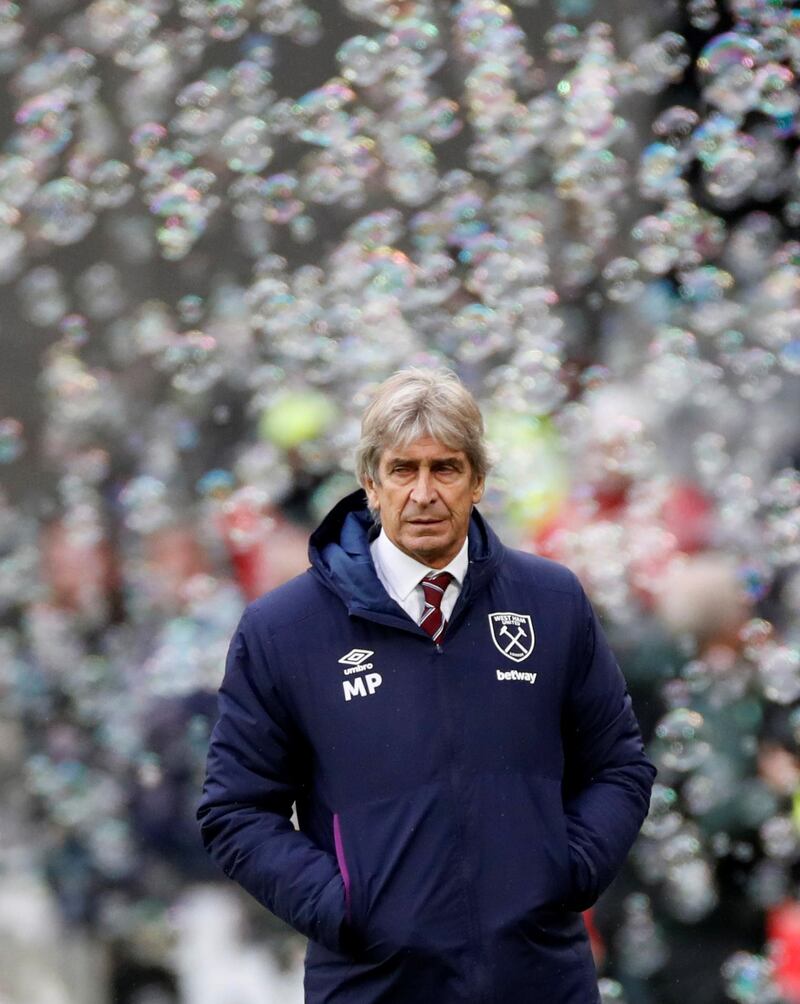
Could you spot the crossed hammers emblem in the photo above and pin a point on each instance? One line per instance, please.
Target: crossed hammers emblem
(515, 640)
(512, 634)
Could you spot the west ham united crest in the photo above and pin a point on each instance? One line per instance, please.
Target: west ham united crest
(512, 635)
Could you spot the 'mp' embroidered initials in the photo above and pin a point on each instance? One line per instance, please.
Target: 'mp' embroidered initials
(361, 686)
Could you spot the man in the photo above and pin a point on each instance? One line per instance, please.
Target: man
(447, 717)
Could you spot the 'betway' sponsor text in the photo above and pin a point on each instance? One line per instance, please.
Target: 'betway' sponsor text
(515, 674)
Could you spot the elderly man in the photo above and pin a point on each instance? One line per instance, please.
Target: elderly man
(447, 717)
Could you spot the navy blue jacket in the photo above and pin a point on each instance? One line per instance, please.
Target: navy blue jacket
(458, 804)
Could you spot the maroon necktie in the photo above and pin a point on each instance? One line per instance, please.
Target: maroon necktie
(433, 586)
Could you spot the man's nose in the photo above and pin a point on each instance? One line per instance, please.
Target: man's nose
(424, 489)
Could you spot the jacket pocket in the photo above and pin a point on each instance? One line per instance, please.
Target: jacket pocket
(341, 860)
(547, 793)
(568, 886)
(522, 856)
(550, 839)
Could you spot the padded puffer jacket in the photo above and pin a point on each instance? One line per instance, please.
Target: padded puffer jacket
(458, 804)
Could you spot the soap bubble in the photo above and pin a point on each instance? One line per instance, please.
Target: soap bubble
(12, 30)
(732, 171)
(411, 177)
(779, 672)
(727, 67)
(440, 120)
(249, 84)
(146, 140)
(246, 145)
(660, 171)
(610, 991)
(675, 125)
(748, 979)
(42, 293)
(109, 184)
(689, 891)
(61, 212)
(564, 42)
(190, 309)
(657, 251)
(319, 117)
(707, 790)
(789, 357)
(777, 87)
(416, 43)
(279, 193)
(46, 124)
(12, 442)
(780, 839)
(703, 14)
(479, 331)
(754, 635)
(192, 358)
(201, 110)
(362, 60)
(663, 818)
(227, 22)
(683, 739)
(640, 946)
(17, 180)
(74, 331)
(145, 503)
(658, 62)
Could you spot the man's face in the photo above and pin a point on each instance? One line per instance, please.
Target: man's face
(425, 495)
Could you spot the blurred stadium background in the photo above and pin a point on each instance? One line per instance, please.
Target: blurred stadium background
(221, 223)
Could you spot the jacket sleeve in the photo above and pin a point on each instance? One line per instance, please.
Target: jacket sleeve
(256, 770)
(608, 777)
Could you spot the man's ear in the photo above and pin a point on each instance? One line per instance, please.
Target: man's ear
(372, 495)
(477, 490)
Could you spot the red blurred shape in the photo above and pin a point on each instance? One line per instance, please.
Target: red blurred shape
(783, 935)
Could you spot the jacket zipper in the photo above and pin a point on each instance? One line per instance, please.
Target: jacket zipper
(456, 787)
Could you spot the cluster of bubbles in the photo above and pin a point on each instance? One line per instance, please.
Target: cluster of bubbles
(588, 217)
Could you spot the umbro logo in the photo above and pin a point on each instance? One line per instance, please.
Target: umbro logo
(356, 656)
(362, 686)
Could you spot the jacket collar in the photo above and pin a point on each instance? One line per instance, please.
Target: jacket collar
(403, 573)
(340, 557)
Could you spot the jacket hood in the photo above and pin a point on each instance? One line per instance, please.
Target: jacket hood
(339, 552)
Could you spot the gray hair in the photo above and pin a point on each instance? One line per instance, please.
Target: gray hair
(414, 403)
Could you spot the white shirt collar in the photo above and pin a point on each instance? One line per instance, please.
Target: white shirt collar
(403, 573)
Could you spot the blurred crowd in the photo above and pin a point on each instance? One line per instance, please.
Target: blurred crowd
(222, 222)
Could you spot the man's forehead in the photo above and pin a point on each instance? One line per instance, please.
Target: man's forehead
(422, 449)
